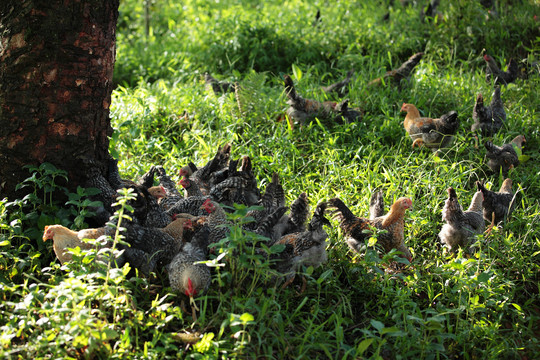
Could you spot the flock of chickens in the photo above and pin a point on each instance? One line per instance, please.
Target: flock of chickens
(177, 231)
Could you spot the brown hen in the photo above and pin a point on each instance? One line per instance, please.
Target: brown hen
(358, 229)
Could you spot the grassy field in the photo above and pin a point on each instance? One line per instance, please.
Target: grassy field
(479, 305)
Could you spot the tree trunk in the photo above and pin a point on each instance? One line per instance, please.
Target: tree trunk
(56, 68)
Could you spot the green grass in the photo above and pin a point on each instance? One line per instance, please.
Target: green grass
(480, 306)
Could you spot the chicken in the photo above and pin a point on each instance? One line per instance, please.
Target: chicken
(177, 228)
(190, 205)
(500, 77)
(341, 88)
(303, 110)
(150, 248)
(186, 275)
(497, 205)
(376, 205)
(218, 87)
(488, 120)
(295, 222)
(157, 191)
(503, 158)
(203, 175)
(217, 221)
(304, 248)
(401, 73)
(155, 214)
(358, 229)
(172, 195)
(190, 188)
(346, 114)
(265, 226)
(64, 238)
(433, 133)
(240, 187)
(461, 225)
(272, 199)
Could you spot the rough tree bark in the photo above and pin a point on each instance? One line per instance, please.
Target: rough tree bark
(56, 67)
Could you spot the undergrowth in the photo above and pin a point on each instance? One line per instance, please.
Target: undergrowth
(479, 305)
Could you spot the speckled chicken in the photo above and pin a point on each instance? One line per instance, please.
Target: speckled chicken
(435, 134)
(303, 110)
(155, 214)
(489, 119)
(497, 206)
(186, 275)
(358, 229)
(341, 88)
(461, 225)
(401, 73)
(304, 248)
(503, 158)
(497, 75)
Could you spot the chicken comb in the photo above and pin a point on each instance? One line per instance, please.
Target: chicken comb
(184, 182)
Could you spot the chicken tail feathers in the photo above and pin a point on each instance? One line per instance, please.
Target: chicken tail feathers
(289, 88)
(344, 212)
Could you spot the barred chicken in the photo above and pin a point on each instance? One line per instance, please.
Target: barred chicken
(497, 205)
(172, 195)
(488, 119)
(435, 134)
(190, 188)
(341, 88)
(239, 188)
(202, 176)
(461, 225)
(150, 248)
(503, 158)
(401, 73)
(186, 275)
(358, 229)
(296, 221)
(217, 221)
(500, 77)
(304, 248)
(272, 199)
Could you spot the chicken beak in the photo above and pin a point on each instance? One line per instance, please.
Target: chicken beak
(45, 235)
